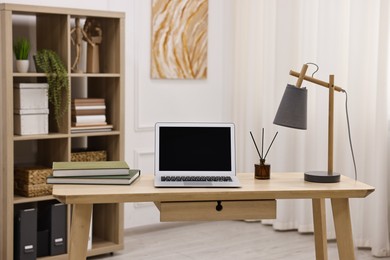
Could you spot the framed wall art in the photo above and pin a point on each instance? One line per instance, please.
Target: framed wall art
(179, 39)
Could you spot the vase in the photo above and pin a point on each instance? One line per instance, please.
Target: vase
(22, 66)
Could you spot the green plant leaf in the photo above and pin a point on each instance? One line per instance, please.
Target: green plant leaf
(57, 78)
(21, 49)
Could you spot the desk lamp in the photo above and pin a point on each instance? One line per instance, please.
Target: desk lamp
(292, 112)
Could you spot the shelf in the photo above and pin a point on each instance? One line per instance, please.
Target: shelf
(95, 75)
(29, 75)
(100, 246)
(56, 257)
(36, 9)
(59, 136)
(39, 137)
(95, 134)
(20, 199)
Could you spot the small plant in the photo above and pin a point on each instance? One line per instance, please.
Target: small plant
(57, 78)
(21, 49)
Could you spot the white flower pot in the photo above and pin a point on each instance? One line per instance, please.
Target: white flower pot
(22, 65)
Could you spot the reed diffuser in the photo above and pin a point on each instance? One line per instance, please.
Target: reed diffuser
(262, 170)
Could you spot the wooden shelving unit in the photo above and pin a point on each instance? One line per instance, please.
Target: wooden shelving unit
(53, 26)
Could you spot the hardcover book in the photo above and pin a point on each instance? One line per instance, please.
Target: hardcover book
(88, 112)
(103, 179)
(90, 119)
(90, 128)
(63, 169)
(92, 124)
(89, 107)
(83, 101)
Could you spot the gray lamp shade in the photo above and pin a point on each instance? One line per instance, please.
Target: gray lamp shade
(292, 111)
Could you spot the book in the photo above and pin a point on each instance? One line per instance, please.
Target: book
(75, 124)
(127, 179)
(90, 107)
(89, 119)
(81, 131)
(68, 169)
(88, 112)
(85, 128)
(88, 100)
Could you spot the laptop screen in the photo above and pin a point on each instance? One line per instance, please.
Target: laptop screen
(195, 148)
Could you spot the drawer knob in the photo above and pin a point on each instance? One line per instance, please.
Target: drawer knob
(219, 206)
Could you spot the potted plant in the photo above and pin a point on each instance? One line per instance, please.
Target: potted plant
(21, 51)
(57, 78)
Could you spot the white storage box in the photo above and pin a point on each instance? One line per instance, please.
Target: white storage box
(30, 96)
(31, 121)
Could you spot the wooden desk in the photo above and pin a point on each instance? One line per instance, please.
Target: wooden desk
(237, 203)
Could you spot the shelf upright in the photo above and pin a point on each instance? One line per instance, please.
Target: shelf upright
(52, 26)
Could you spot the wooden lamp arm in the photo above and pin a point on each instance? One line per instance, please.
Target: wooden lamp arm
(301, 76)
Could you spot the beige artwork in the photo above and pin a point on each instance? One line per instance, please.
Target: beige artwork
(179, 39)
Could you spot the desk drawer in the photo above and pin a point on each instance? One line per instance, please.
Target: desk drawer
(217, 210)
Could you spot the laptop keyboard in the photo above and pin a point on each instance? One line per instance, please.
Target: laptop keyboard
(196, 178)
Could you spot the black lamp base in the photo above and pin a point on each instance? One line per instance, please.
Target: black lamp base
(322, 177)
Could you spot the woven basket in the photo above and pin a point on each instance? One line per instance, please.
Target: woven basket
(89, 156)
(31, 181)
(34, 190)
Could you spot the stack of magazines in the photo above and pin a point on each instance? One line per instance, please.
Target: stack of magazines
(103, 172)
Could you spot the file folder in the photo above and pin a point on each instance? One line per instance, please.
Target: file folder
(25, 232)
(58, 229)
(52, 221)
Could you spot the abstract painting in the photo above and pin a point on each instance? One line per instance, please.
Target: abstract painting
(179, 39)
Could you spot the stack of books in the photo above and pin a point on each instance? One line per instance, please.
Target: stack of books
(103, 172)
(89, 115)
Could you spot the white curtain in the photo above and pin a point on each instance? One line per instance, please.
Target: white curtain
(349, 39)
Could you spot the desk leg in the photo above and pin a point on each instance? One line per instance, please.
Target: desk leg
(79, 230)
(319, 220)
(343, 227)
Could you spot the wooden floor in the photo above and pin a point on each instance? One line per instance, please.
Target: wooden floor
(236, 240)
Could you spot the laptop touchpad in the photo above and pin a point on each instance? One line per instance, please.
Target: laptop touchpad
(194, 183)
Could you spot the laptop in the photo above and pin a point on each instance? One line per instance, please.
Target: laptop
(195, 155)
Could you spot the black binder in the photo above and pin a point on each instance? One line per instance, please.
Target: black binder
(52, 228)
(58, 229)
(25, 232)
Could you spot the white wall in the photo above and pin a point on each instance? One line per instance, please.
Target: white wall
(149, 101)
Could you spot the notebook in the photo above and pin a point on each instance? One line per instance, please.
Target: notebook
(195, 155)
